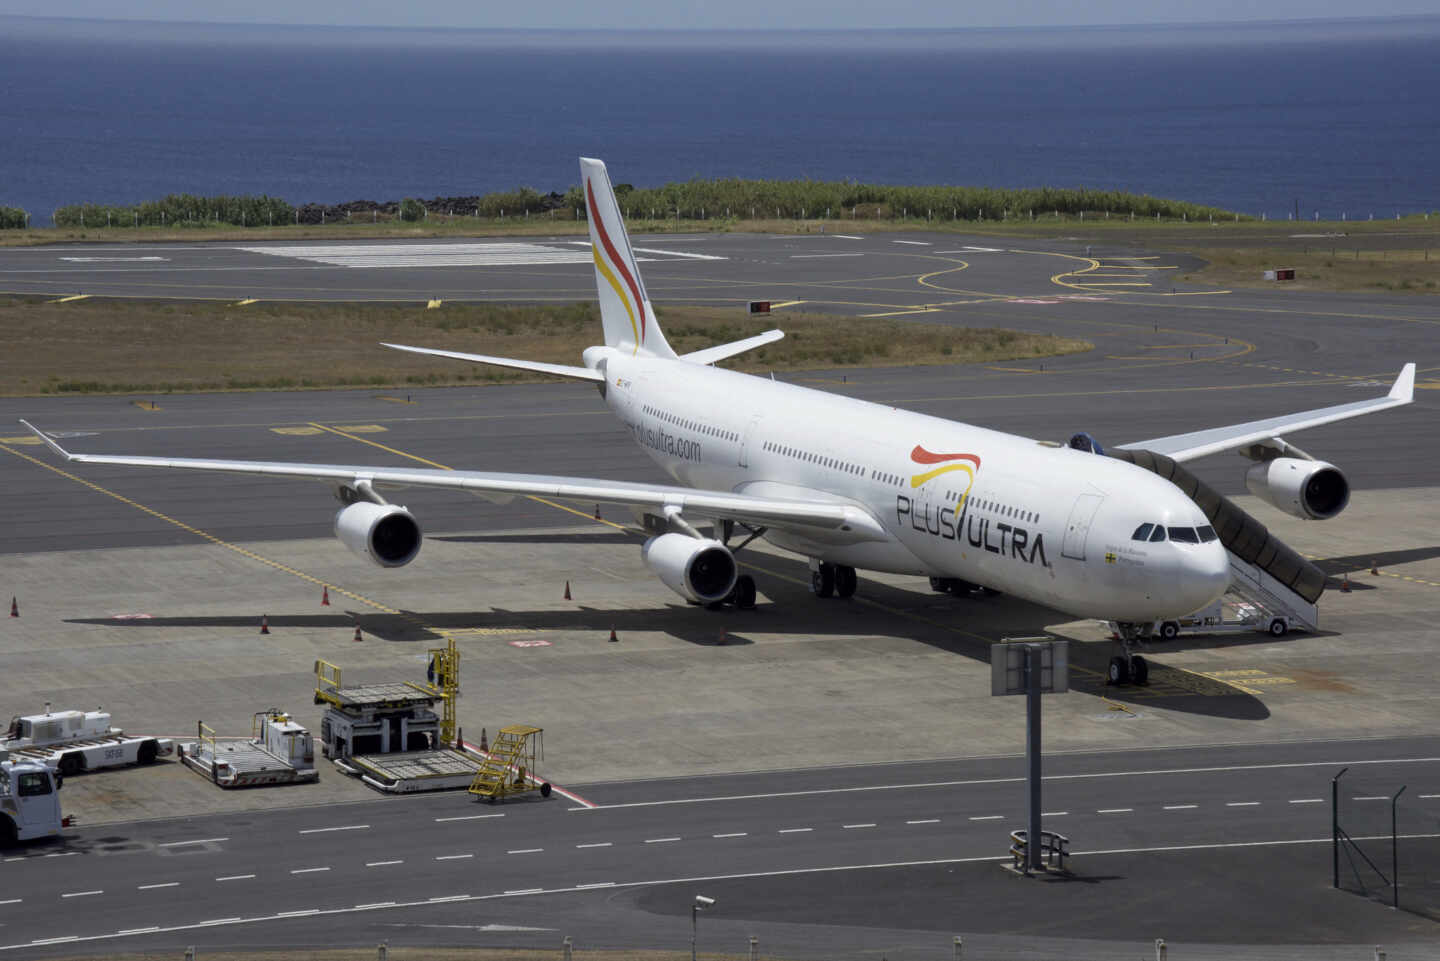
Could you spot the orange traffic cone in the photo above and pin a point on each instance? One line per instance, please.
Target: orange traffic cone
(264, 623)
(484, 742)
(613, 638)
(1345, 585)
(567, 590)
(14, 608)
(357, 636)
(325, 596)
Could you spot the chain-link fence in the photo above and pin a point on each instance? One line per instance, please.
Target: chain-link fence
(1387, 841)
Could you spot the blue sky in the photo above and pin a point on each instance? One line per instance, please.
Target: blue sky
(713, 14)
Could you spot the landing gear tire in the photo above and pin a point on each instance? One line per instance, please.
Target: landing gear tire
(989, 592)
(822, 580)
(942, 585)
(1119, 671)
(545, 789)
(1169, 630)
(9, 834)
(744, 593)
(845, 582)
(1278, 627)
(71, 764)
(1139, 670)
(147, 753)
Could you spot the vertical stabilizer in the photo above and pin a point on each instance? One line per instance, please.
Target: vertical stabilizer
(625, 310)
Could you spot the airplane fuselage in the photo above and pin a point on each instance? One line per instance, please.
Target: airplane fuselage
(1046, 523)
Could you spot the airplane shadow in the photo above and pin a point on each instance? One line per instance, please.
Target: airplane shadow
(1336, 566)
(965, 626)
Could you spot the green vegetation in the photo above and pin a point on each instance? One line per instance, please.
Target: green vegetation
(125, 346)
(12, 218)
(180, 210)
(411, 209)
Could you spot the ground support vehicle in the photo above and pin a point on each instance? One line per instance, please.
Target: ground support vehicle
(509, 766)
(76, 741)
(29, 801)
(278, 751)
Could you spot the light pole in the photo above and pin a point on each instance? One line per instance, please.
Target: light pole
(701, 903)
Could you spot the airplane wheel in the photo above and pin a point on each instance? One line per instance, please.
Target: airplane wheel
(1119, 671)
(1278, 627)
(941, 585)
(822, 581)
(845, 582)
(1139, 670)
(745, 592)
(1169, 630)
(9, 834)
(545, 789)
(147, 753)
(989, 592)
(72, 763)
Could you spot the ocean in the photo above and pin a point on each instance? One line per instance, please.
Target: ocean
(1334, 117)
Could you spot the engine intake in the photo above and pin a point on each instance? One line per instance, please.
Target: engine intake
(1309, 489)
(697, 569)
(387, 535)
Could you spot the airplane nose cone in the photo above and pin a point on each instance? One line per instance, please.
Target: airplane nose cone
(1205, 574)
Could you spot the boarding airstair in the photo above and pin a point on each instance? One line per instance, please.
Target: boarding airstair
(1264, 572)
(509, 766)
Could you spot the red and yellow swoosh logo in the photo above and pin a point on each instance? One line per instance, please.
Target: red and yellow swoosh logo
(968, 464)
(605, 271)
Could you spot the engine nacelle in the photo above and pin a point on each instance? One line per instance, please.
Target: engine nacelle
(1309, 489)
(696, 569)
(384, 534)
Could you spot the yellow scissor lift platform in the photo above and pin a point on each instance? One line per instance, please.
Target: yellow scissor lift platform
(509, 767)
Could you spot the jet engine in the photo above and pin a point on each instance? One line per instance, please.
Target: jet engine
(387, 535)
(698, 569)
(1308, 489)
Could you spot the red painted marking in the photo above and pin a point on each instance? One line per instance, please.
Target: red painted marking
(535, 778)
(530, 644)
(922, 456)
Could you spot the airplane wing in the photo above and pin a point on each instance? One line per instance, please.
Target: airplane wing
(559, 370)
(838, 521)
(1184, 447)
(711, 355)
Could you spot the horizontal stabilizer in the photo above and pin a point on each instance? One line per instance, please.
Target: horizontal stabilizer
(711, 355)
(559, 370)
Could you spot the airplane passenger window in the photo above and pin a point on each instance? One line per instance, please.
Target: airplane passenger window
(1207, 534)
(1142, 532)
(1185, 535)
(1158, 534)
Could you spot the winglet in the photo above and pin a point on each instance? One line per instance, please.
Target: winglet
(48, 442)
(1403, 389)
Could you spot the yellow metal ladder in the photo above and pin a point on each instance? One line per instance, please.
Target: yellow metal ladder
(511, 762)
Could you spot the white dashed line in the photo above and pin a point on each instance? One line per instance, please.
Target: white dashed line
(151, 887)
(308, 870)
(1053, 814)
(469, 817)
(1377, 797)
(525, 891)
(1181, 807)
(62, 854)
(1308, 800)
(852, 827)
(595, 884)
(236, 877)
(525, 851)
(817, 256)
(68, 937)
(1423, 796)
(13, 901)
(343, 827)
(912, 243)
(297, 914)
(374, 904)
(793, 830)
(1114, 810)
(217, 921)
(452, 897)
(988, 817)
(600, 844)
(737, 834)
(925, 821)
(660, 840)
(1242, 804)
(81, 894)
(153, 927)
(453, 857)
(176, 844)
(846, 237)
(376, 864)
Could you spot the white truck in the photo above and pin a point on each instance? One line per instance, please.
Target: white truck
(29, 801)
(75, 741)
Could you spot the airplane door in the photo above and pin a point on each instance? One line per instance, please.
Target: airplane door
(1078, 526)
(746, 438)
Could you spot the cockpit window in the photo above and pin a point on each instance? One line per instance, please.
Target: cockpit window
(1142, 532)
(1207, 534)
(1185, 535)
(1158, 534)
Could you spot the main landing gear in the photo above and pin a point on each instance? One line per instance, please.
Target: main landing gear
(833, 580)
(960, 588)
(1128, 667)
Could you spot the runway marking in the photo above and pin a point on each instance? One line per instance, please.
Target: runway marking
(660, 840)
(12, 900)
(929, 820)
(525, 851)
(595, 884)
(1377, 797)
(1242, 804)
(71, 299)
(1053, 814)
(818, 256)
(900, 313)
(308, 870)
(450, 897)
(176, 844)
(522, 891)
(675, 253)
(599, 844)
(82, 894)
(374, 904)
(846, 237)
(856, 827)
(914, 243)
(361, 428)
(1115, 811)
(1181, 807)
(453, 857)
(469, 817)
(372, 256)
(1313, 800)
(786, 303)
(68, 937)
(343, 827)
(371, 864)
(236, 877)
(296, 431)
(151, 928)
(152, 887)
(794, 830)
(214, 921)
(735, 834)
(989, 817)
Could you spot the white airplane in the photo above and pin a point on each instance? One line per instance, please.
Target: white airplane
(851, 484)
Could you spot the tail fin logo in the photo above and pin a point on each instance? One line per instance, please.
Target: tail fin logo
(634, 304)
(967, 464)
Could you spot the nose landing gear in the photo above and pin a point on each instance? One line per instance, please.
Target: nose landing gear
(1128, 667)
